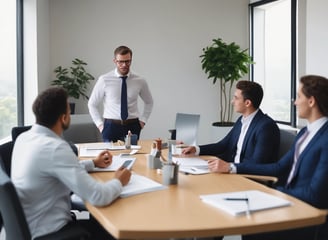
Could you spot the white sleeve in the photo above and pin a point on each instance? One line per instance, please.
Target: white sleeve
(95, 100)
(147, 97)
(67, 168)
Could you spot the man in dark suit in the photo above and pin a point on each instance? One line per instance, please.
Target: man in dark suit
(303, 170)
(254, 138)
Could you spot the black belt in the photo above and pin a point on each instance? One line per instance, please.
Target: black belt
(123, 122)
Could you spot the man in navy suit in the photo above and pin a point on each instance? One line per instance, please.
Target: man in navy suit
(303, 170)
(254, 138)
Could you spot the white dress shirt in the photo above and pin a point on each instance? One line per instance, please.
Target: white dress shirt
(313, 128)
(246, 121)
(45, 171)
(107, 92)
(303, 141)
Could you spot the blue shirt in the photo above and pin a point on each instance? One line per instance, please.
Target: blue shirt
(45, 171)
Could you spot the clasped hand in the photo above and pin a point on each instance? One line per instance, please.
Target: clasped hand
(218, 165)
(104, 159)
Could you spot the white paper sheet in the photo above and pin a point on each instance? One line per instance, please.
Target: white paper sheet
(256, 201)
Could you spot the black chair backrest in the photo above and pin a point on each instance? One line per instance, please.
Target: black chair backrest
(287, 138)
(12, 213)
(3, 168)
(12, 216)
(15, 131)
(6, 150)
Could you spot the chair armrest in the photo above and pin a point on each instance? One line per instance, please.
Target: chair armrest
(266, 180)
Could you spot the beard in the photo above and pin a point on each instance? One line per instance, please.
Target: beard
(65, 126)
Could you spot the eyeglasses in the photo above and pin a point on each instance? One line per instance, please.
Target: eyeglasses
(121, 62)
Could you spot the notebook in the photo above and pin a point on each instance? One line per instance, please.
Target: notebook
(243, 202)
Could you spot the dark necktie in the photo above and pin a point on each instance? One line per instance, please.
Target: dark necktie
(124, 99)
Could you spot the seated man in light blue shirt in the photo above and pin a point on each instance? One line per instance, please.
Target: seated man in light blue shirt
(45, 171)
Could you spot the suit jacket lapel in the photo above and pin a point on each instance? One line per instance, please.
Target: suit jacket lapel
(236, 137)
(315, 138)
(250, 130)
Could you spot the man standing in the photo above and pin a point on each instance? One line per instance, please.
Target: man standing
(254, 138)
(118, 92)
(45, 171)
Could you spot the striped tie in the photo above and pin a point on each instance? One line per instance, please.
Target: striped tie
(296, 155)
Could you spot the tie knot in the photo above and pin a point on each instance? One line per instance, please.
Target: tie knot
(124, 78)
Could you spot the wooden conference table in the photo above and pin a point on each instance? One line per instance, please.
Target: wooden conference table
(178, 212)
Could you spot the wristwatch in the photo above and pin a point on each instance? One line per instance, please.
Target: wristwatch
(232, 168)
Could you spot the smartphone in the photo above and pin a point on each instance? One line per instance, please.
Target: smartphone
(126, 163)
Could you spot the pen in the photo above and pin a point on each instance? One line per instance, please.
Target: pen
(89, 149)
(236, 199)
(248, 211)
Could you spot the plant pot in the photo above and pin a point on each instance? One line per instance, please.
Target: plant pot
(219, 131)
(223, 124)
(72, 106)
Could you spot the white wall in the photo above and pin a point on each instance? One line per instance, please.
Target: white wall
(317, 37)
(166, 37)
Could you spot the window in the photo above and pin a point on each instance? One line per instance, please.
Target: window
(8, 70)
(273, 48)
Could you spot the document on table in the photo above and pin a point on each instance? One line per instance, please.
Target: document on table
(116, 164)
(238, 203)
(93, 149)
(191, 165)
(140, 184)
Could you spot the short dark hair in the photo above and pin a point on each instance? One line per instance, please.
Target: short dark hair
(251, 91)
(50, 105)
(122, 50)
(316, 86)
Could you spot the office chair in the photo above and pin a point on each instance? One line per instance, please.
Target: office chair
(287, 138)
(14, 220)
(2, 166)
(82, 130)
(6, 149)
(5, 153)
(16, 131)
(186, 128)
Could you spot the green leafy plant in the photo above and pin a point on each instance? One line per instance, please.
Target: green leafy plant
(225, 63)
(74, 80)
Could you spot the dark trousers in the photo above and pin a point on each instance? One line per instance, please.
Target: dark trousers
(308, 233)
(114, 131)
(95, 229)
(91, 225)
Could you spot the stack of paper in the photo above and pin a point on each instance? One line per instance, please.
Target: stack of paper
(237, 203)
(93, 149)
(191, 165)
(140, 184)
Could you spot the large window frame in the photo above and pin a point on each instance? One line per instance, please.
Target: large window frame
(20, 62)
(13, 113)
(293, 60)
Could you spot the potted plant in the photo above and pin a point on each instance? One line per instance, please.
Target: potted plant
(225, 63)
(74, 80)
